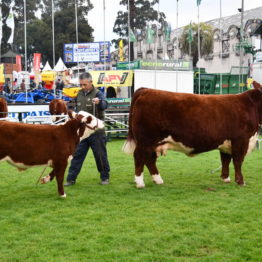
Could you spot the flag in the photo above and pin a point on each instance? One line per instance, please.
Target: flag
(1, 25)
(37, 62)
(198, 2)
(10, 22)
(150, 35)
(132, 36)
(121, 50)
(190, 34)
(19, 63)
(167, 32)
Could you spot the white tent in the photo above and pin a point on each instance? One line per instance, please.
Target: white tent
(60, 66)
(47, 67)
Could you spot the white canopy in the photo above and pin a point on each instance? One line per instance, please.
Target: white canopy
(47, 67)
(60, 66)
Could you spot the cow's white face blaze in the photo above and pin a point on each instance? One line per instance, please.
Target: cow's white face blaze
(92, 126)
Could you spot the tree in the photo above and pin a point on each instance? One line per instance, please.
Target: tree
(18, 8)
(206, 40)
(141, 12)
(39, 29)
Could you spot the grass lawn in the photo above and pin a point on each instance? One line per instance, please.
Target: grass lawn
(192, 217)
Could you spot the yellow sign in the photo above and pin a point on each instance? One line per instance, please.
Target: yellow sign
(71, 91)
(2, 76)
(48, 76)
(121, 50)
(112, 78)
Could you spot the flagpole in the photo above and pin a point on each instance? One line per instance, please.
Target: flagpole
(25, 47)
(53, 31)
(241, 48)
(177, 44)
(221, 46)
(198, 43)
(128, 17)
(1, 30)
(76, 5)
(104, 16)
(156, 44)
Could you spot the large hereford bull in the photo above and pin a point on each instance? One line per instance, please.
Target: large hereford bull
(27, 145)
(192, 124)
(57, 107)
(3, 108)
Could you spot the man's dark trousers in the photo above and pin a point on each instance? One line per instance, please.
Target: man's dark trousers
(97, 142)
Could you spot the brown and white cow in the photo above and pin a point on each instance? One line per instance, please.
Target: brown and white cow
(27, 145)
(3, 108)
(57, 107)
(192, 124)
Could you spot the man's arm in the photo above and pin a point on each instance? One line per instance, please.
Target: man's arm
(102, 105)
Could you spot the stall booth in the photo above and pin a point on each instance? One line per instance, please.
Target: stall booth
(169, 75)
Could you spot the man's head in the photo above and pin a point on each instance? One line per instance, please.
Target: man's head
(85, 81)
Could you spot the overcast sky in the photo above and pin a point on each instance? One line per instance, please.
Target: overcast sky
(187, 10)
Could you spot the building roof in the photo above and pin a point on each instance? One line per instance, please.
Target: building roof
(9, 54)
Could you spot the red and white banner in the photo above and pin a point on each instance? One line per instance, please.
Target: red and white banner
(37, 61)
(19, 63)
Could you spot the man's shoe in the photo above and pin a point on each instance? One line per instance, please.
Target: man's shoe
(105, 182)
(70, 183)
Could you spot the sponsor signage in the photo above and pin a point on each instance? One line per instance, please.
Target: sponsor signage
(22, 111)
(112, 78)
(87, 52)
(37, 61)
(115, 101)
(127, 66)
(169, 65)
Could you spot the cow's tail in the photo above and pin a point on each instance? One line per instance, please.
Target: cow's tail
(130, 144)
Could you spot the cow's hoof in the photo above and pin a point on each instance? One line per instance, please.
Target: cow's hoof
(140, 185)
(45, 179)
(63, 196)
(157, 179)
(226, 180)
(241, 183)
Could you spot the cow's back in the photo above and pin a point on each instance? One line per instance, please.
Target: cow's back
(3, 108)
(199, 121)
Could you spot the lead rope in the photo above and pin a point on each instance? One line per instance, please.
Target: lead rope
(41, 175)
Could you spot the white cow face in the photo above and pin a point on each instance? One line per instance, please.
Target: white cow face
(92, 123)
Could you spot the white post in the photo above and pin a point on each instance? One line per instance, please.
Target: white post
(128, 17)
(241, 48)
(221, 46)
(156, 45)
(76, 5)
(199, 55)
(53, 33)
(177, 43)
(104, 8)
(25, 47)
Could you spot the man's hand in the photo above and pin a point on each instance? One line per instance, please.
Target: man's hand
(96, 100)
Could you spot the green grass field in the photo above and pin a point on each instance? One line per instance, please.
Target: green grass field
(194, 216)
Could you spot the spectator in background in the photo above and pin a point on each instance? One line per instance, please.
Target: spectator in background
(22, 85)
(7, 87)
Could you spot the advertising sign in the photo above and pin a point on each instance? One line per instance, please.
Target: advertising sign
(37, 61)
(19, 63)
(87, 52)
(113, 78)
(169, 65)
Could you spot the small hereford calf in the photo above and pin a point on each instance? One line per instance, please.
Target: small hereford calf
(27, 145)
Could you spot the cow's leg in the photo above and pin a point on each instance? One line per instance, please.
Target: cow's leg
(239, 150)
(139, 157)
(225, 159)
(151, 165)
(59, 171)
